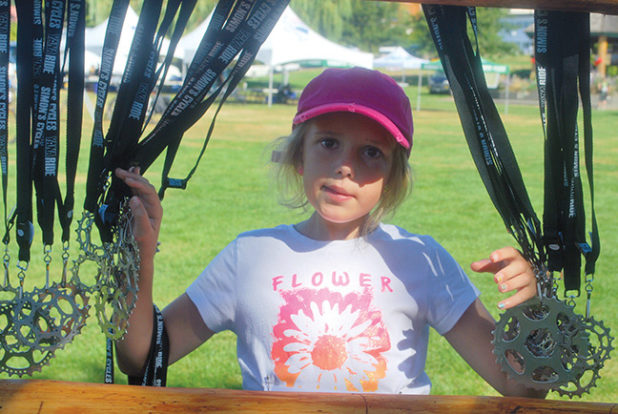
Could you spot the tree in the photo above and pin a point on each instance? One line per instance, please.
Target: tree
(98, 10)
(490, 23)
(325, 17)
(373, 24)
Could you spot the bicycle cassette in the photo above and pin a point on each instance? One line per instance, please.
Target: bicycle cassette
(544, 345)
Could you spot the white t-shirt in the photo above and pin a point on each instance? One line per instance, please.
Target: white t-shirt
(343, 315)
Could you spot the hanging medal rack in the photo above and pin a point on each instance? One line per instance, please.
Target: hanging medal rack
(543, 343)
(36, 321)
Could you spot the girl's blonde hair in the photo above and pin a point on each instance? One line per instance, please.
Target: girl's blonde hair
(288, 157)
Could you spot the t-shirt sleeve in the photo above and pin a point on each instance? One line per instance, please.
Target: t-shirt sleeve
(453, 294)
(214, 291)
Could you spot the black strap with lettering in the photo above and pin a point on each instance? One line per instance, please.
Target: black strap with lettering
(562, 64)
(5, 30)
(246, 27)
(46, 125)
(155, 373)
(483, 128)
(25, 98)
(75, 41)
(190, 105)
(95, 180)
(155, 370)
(237, 30)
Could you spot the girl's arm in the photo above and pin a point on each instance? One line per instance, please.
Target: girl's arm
(472, 339)
(185, 328)
(472, 334)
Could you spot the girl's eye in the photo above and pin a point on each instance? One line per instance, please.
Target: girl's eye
(328, 143)
(373, 152)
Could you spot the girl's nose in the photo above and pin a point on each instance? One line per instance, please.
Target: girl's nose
(345, 165)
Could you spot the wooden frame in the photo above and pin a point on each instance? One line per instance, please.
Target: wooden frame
(598, 6)
(46, 396)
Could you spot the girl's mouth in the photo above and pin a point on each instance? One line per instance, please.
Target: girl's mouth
(337, 193)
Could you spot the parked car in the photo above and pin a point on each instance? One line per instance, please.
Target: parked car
(438, 83)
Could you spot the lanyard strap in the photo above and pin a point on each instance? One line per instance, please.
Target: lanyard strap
(25, 94)
(244, 30)
(483, 128)
(155, 373)
(157, 361)
(192, 102)
(46, 126)
(76, 29)
(5, 30)
(94, 182)
(562, 58)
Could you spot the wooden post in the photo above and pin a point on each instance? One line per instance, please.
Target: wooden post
(599, 6)
(603, 56)
(43, 396)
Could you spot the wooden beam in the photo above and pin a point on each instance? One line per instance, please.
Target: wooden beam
(598, 6)
(44, 396)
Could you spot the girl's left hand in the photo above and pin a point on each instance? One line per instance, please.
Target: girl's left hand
(511, 272)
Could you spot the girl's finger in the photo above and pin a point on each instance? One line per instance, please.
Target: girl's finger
(521, 296)
(518, 282)
(512, 270)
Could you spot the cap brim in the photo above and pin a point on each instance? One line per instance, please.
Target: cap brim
(355, 108)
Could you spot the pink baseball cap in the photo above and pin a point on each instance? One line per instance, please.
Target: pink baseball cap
(363, 91)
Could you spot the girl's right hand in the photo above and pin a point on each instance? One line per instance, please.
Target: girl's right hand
(146, 209)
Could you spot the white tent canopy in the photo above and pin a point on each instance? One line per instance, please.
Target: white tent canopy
(290, 41)
(397, 58)
(95, 36)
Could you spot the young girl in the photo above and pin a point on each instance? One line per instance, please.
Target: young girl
(338, 302)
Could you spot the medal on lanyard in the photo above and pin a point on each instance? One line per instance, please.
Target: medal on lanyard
(542, 343)
(236, 31)
(39, 321)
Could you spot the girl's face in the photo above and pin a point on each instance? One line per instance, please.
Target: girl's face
(347, 159)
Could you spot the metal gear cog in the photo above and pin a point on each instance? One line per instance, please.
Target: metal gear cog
(18, 359)
(540, 343)
(65, 306)
(116, 281)
(590, 363)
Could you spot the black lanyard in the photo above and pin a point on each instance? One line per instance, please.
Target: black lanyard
(562, 58)
(5, 30)
(94, 183)
(46, 125)
(76, 29)
(245, 27)
(25, 97)
(191, 103)
(562, 63)
(483, 128)
(236, 31)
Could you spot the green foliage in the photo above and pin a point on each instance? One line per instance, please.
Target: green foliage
(374, 24)
(490, 23)
(359, 23)
(325, 17)
(98, 10)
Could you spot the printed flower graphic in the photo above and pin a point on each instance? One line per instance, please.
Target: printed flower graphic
(329, 342)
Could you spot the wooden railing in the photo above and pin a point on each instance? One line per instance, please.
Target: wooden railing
(599, 6)
(45, 397)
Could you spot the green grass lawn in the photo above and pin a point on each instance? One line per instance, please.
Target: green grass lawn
(232, 191)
